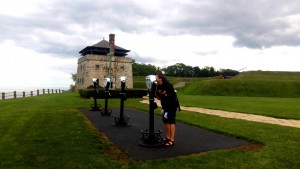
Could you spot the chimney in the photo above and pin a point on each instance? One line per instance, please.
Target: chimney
(112, 43)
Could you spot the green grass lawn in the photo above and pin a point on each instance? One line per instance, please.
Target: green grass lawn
(139, 81)
(287, 108)
(48, 131)
(248, 84)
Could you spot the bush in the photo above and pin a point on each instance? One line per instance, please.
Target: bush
(139, 84)
(100, 93)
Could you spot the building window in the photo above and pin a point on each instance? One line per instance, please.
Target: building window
(122, 68)
(97, 67)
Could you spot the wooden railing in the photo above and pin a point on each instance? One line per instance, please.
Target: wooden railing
(22, 94)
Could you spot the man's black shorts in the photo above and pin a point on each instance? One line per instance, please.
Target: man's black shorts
(169, 116)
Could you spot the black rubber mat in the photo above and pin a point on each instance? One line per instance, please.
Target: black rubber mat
(188, 139)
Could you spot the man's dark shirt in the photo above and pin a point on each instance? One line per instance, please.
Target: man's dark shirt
(168, 100)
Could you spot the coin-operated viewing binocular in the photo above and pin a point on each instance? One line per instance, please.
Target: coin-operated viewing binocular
(123, 82)
(151, 85)
(122, 120)
(107, 83)
(151, 137)
(106, 111)
(95, 106)
(150, 81)
(123, 79)
(95, 82)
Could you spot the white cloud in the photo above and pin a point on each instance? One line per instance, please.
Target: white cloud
(40, 40)
(17, 8)
(25, 68)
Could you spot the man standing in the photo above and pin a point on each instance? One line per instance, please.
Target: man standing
(168, 98)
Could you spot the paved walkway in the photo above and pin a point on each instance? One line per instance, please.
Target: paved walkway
(188, 139)
(179, 85)
(243, 116)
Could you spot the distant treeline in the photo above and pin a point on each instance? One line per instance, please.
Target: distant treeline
(181, 70)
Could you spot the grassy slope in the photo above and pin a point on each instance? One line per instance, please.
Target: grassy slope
(254, 84)
(139, 81)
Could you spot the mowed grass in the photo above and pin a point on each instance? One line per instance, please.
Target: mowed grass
(48, 131)
(286, 108)
(248, 84)
(139, 81)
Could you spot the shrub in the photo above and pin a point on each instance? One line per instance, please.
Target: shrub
(100, 93)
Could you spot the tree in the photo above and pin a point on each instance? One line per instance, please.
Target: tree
(212, 72)
(196, 71)
(179, 70)
(204, 72)
(143, 69)
(74, 77)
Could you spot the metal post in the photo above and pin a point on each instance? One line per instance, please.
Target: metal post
(122, 100)
(151, 109)
(106, 112)
(106, 96)
(122, 120)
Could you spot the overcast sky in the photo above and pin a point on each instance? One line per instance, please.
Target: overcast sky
(40, 40)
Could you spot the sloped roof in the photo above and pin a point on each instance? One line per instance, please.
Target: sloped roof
(105, 44)
(102, 48)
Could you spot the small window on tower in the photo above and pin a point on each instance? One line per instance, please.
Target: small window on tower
(97, 67)
(122, 68)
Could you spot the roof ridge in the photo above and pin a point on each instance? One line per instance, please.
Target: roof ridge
(105, 44)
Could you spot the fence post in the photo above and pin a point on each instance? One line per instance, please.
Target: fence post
(52, 90)
(3, 95)
(31, 93)
(55, 90)
(23, 93)
(58, 90)
(15, 94)
(48, 91)
(37, 92)
(43, 91)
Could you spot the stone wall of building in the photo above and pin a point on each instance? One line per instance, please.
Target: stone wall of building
(97, 66)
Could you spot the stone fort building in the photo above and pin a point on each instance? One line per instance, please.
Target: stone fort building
(101, 60)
